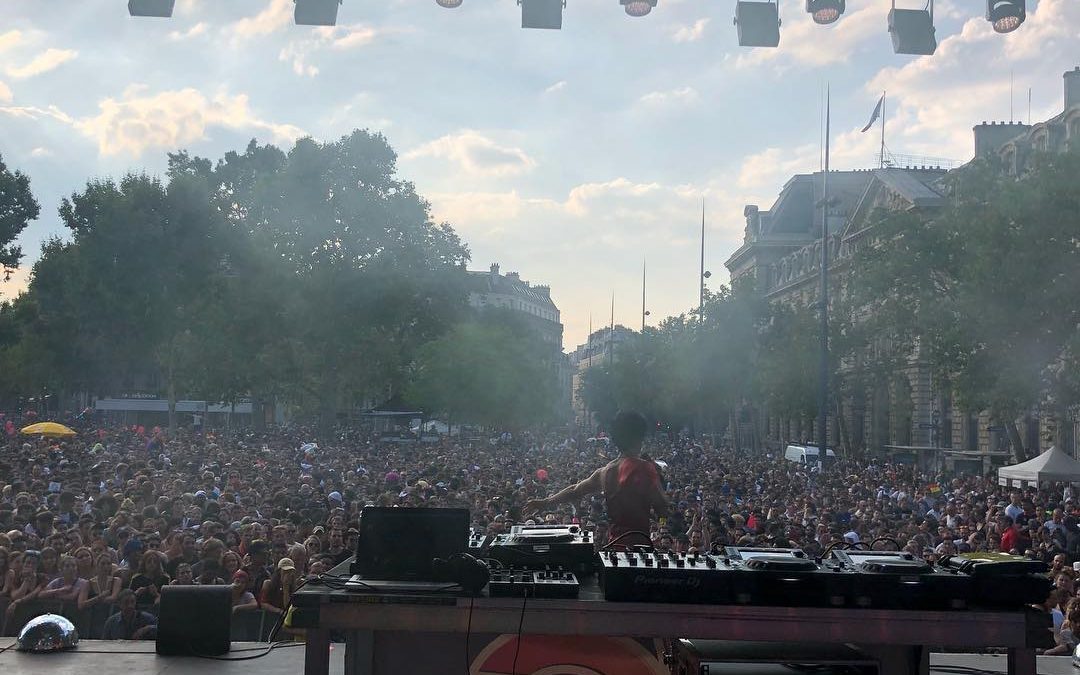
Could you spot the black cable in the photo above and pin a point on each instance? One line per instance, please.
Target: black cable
(271, 647)
(521, 622)
(889, 540)
(468, 634)
(13, 643)
(623, 536)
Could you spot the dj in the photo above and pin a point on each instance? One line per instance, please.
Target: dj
(631, 485)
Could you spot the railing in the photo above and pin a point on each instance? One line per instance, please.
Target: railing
(247, 626)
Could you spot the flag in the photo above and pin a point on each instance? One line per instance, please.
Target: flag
(876, 115)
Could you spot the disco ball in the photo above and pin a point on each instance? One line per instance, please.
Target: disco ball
(47, 633)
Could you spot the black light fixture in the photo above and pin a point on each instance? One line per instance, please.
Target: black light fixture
(825, 11)
(913, 30)
(158, 8)
(316, 12)
(1006, 15)
(637, 7)
(448, 4)
(542, 13)
(758, 23)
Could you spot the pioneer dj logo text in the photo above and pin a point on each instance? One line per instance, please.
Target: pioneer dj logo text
(687, 582)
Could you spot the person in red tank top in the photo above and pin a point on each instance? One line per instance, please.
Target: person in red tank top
(630, 484)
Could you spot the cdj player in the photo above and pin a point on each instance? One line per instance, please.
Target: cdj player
(899, 580)
(567, 546)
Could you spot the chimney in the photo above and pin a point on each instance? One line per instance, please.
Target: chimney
(1072, 87)
(513, 275)
(990, 137)
(494, 269)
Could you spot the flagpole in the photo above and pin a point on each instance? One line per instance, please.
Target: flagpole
(823, 372)
(881, 160)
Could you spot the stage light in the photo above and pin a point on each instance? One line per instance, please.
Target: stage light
(541, 13)
(158, 8)
(448, 4)
(825, 11)
(638, 7)
(1006, 15)
(316, 12)
(913, 30)
(758, 23)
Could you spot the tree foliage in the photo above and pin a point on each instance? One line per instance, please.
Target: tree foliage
(17, 208)
(491, 370)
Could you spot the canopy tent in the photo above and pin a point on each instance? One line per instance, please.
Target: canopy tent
(1052, 465)
(47, 429)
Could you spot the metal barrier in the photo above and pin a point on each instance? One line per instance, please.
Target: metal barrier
(247, 626)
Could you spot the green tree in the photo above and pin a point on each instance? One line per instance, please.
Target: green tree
(368, 277)
(984, 290)
(17, 208)
(491, 370)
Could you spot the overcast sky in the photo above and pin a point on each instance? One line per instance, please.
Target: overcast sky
(564, 155)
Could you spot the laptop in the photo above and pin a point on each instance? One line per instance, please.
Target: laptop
(396, 547)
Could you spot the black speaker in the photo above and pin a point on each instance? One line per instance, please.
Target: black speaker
(194, 620)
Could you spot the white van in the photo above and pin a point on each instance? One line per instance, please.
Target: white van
(805, 454)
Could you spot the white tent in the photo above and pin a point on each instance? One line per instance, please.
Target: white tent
(1052, 465)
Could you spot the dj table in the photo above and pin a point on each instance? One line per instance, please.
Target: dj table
(394, 634)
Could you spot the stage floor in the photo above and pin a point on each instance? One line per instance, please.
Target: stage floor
(138, 657)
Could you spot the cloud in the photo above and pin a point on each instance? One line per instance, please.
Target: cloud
(170, 119)
(347, 37)
(277, 15)
(339, 38)
(684, 95)
(580, 198)
(10, 39)
(5, 93)
(690, 33)
(934, 101)
(770, 168)
(34, 113)
(805, 44)
(17, 284)
(555, 88)
(41, 152)
(195, 31)
(167, 119)
(42, 63)
(476, 154)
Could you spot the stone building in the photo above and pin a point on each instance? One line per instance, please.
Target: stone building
(533, 301)
(781, 252)
(601, 347)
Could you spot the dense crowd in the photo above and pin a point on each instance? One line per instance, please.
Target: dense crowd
(114, 514)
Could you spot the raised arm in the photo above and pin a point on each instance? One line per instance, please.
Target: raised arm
(591, 485)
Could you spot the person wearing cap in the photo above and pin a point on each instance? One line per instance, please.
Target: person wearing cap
(242, 599)
(278, 589)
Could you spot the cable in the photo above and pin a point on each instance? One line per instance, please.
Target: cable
(468, 634)
(13, 643)
(517, 643)
(889, 540)
(271, 647)
(623, 536)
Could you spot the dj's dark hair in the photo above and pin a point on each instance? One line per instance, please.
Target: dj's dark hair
(628, 430)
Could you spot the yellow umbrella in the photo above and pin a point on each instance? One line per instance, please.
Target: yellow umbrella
(47, 429)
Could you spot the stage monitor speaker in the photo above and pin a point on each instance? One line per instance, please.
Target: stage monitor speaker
(194, 620)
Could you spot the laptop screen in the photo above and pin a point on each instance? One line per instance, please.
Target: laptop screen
(400, 543)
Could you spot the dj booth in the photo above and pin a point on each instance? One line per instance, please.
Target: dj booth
(417, 634)
(546, 603)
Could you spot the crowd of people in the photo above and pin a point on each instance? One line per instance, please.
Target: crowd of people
(114, 514)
